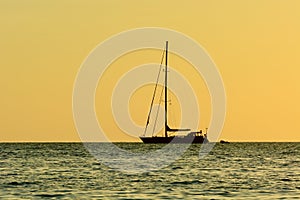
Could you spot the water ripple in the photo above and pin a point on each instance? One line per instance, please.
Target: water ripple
(68, 171)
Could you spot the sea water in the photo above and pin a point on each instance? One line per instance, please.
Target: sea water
(229, 171)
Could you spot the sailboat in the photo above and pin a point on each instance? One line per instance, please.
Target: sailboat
(191, 137)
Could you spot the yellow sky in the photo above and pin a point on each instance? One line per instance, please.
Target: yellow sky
(254, 43)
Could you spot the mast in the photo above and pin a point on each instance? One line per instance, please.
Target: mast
(166, 92)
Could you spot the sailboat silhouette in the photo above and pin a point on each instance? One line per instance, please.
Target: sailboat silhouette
(191, 137)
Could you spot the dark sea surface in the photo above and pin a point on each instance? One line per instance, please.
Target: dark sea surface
(229, 171)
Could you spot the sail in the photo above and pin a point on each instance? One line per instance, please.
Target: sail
(177, 129)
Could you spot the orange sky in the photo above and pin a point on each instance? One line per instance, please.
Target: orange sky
(255, 45)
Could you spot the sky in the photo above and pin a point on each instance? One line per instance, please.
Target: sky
(255, 45)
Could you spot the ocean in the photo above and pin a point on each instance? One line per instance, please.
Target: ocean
(229, 171)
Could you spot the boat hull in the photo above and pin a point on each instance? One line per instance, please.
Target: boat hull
(173, 139)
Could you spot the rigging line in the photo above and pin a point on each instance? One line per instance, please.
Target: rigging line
(173, 113)
(160, 100)
(152, 101)
(175, 120)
